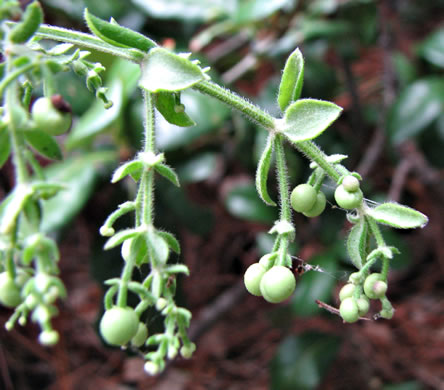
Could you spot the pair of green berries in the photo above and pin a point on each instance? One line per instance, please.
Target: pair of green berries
(51, 115)
(120, 326)
(351, 308)
(306, 200)
(274, 284)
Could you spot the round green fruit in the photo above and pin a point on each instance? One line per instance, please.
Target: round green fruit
(348, 200)
(349, 310)
(9, 291)
(51, 115)
(277, 284)
(318, 207)
(303, 198)
(119, 325)
(347, 291)
(375, 286)
(252, 278)
(363, 305)
(350, 183)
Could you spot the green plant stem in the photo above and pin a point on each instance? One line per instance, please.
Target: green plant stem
(375, 231)
(14, 75)
(87, 41)
(125, 278)
(234, 101)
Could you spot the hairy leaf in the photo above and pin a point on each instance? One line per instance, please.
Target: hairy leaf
(262, 171)
(398, 216)
(172, 110)
(357, 243)
(292, 79)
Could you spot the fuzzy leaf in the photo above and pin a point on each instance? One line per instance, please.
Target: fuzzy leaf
(138, 252)
(117, 35)
(12, 206)
(32, 18)
(133, 167)
(357, 243)
(168, 173)
(398, 216)
(5, 146)
(172, 110)
(157, 246)
(121, 236)
(262, 171)
(292, 79)
(43, 143)
(171, 241)
(166, 71)
(308, 118)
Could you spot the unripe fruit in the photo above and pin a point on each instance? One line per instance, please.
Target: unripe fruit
(48, 338)
(49, 118)
(347, 291)
(349, 310)
(119, 325)
(277, 284)
(350, 183)
(387, 314)
(9, 291)
(318, 207)
(374, 286)
(252, 278)
(348, 200)
(363, 305)
(267, 261)
(141, 335)
(303, 198)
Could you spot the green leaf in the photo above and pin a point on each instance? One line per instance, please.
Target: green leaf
(157, 246)
(242, 202)
(178, 269)
(12, 206)
(43, 143)
(262, 171)
(314, 285)
(398, 216)
(166, 71)
(432, 49)
(168, 173)
(121, 236)
(416, 108)
(254, 10)
(5, 146)
(357, 243)
(292, 79)
(138, 252)
(117, 35)
(302, 361)
(172, 110)
(170, 240)
(133, 167)
(32, 18)
(78, 175)
(308, 118)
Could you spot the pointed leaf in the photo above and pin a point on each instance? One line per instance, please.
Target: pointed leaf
(121, 236)
(168, 173)
(138, 250)
(292, 80)
(5, 146)
(157, 247)
(43, 143)
(117, 35)
(398, 216)
(357, 243)
(133, 167)
(12, 206)
(262, 171)
(172, 110)
(308, 118)
(166, 71)
(178, 269)
(172, 241)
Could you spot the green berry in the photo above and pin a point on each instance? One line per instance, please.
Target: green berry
(277, 284)
(252, 278)
(387, 314)
(142, 334)
(349, 310)
(303, 198)
(318, 207)
(348, 200)
(267, 261)
(9, 291)
(50, 119)
(363, 305)
(119, 325)
(374, 286)
(350, 183)
(48, 338)
(347, 291)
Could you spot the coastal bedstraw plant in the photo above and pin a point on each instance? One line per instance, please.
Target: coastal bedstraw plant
(32, 54)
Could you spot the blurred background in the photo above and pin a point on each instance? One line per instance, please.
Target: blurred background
(383, 62)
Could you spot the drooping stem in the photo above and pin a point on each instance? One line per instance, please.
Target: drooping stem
(234, 101)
